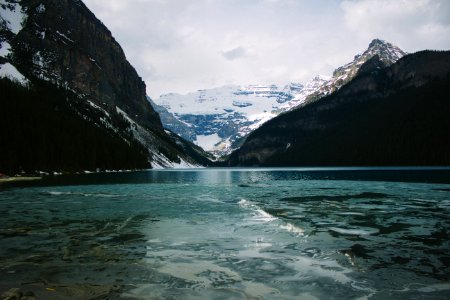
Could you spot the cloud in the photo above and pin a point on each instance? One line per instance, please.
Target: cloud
(181, 46)
(234, 53)
(414, 24)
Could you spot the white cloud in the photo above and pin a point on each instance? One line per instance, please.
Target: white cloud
(412, 24)
(182, 46)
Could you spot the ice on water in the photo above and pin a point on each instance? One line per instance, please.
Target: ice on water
(212, 234)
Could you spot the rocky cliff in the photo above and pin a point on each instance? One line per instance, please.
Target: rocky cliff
(62, 43)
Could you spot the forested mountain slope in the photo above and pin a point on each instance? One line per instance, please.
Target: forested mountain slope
(62, 46)
(398, 115)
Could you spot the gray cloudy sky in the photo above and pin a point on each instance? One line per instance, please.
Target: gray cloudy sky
(185, 45)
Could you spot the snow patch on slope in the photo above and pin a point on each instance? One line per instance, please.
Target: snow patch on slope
(64, 37)
(162, 162)
(310, 88)
(208, 142)
(12, 14)
(5, 49)
(9, 71)
(148, 140)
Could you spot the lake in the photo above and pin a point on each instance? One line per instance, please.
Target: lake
(296, 233)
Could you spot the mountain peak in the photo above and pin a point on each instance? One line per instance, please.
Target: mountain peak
(378, 55)
(378, 42)
(388, 52)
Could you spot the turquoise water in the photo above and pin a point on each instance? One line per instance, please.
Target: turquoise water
(234, 234)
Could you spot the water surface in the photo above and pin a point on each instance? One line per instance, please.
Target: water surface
(232, 234)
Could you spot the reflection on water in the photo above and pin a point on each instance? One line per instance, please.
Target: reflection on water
(230, 234)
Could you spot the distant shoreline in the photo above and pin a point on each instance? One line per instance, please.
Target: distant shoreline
(19, 178)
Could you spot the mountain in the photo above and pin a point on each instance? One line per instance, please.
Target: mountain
(218, 119)
(397, 115)
(62, 46)
(380, 53)
(170, 122)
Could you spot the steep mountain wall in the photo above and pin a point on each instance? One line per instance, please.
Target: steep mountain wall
(64, 42)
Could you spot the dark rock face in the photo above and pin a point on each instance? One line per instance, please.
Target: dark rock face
(63, 51)
(64, 42)
(392, 116)
(373, 64)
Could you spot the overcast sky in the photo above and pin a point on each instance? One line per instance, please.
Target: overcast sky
(185, 45)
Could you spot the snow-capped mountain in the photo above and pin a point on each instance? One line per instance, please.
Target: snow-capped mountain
(395, 116)
(217, 119)
(384, 53)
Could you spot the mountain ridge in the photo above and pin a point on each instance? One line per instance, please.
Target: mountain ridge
(391, 116)
(227, 114)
